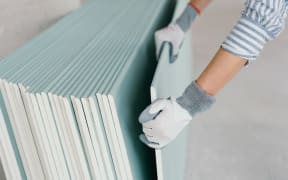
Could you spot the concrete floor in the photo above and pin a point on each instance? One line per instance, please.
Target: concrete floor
(244, 136)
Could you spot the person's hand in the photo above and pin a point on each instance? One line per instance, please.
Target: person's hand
(171, 34)
(162, 121)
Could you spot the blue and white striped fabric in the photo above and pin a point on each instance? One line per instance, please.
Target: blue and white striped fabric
(261, 21)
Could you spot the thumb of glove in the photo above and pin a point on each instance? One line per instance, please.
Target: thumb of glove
(152, 110)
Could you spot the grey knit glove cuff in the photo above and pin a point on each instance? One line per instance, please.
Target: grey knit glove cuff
(185, 20)
(195, 100)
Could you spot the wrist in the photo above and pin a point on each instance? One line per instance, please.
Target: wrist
(195, 7)
(185, 20)
(199, 5)
(195, 100)
(201, 84)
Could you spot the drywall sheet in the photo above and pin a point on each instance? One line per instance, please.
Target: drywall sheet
(170, 79)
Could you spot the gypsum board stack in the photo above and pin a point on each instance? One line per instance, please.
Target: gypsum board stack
(85, 81)
(51, 158)
(84, 142)
(88, 83)
(84, 131)
(67, 47)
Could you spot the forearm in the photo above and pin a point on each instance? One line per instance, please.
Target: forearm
(260, 22)
(222, 68)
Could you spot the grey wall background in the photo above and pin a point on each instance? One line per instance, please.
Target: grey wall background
(21, 20)
(244, 136)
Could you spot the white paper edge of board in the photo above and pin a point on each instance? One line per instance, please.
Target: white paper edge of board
(63, 134)
(23, 134)
(7, 153)
(94, 141)
(60, 157)
(119, 140)
(80, 117)
(101, 140)
(109, 127)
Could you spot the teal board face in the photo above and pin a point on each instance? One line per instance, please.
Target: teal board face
(170, 79)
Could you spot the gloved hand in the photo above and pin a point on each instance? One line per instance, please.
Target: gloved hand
(174, 33)
(164, 119)
(171, 34)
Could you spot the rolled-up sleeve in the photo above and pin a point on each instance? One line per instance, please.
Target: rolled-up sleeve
(260, 22)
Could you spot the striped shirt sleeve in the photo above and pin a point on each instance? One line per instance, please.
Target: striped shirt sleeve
(260, 22)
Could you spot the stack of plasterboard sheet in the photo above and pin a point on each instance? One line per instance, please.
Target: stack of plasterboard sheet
(170, 79)
(70, 98)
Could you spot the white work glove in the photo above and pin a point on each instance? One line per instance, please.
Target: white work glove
(174, 33)
(171, 34)
(162, 121)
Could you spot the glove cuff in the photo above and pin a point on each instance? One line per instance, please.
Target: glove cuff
(185, 20)
(195, 100)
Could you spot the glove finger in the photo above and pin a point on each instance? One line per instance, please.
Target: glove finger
(152, 111)
(173, 58)
(150, 135)
(160, 48)
(150, 138)
(158, 42)
(143, 138)
(147, 130)
(158, 105)
(145, 115)
(158, 120)
(153, 123)
(176, 50)
(155, 138)
(173, 53)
